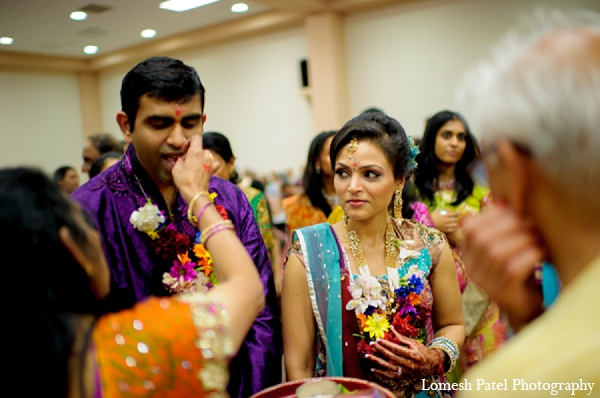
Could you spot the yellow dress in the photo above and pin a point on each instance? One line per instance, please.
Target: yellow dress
(559, 351)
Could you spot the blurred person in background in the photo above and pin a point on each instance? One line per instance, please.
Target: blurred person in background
(220, 147)
(316, 203)
(67, 178)
(104, 162)
(96, 145)
(444, 184)
(536, 103)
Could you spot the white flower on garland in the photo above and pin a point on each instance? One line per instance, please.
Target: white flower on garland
(365, 291)
(147, 218)
(404, 251)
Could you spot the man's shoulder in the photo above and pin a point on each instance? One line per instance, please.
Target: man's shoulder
(226, 189)
(102, 188)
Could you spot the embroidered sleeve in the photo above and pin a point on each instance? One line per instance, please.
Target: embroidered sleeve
(214, 342)
(433, 239)
(169, 347)
(296, 249)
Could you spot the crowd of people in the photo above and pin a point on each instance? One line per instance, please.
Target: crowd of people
(169, 274)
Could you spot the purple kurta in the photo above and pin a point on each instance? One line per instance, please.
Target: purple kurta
(136, 271)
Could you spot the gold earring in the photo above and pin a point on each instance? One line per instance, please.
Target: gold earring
(398, 204)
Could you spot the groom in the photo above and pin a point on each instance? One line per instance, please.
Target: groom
(162, 102)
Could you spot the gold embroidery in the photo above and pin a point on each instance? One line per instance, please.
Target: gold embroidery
(212, 323)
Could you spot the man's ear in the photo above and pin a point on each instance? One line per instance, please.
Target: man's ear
(124, 125)
(203, 118)
(513, 176)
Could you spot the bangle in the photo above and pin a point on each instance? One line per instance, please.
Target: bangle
(439, 369)
(214, 228)
(196, 219)
(449, 347)
(191, 206)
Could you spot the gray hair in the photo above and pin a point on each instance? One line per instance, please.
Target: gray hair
(544, 100)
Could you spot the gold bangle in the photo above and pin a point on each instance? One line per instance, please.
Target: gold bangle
(191, 218)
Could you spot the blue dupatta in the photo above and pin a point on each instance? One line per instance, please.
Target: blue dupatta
(321, 260)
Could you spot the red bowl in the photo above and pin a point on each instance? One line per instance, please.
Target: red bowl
(288, 390)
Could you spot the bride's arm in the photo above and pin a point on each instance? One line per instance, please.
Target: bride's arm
(299, 332)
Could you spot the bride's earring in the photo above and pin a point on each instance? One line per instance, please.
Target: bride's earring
(398, 204)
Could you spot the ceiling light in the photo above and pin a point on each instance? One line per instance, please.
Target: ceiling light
(184, 5)
(239, 7)
(7, 41)
(78, 15)
(148, 33)
(90, 49)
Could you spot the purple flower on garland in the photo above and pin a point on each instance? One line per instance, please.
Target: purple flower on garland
(405, 307)
(183, 269)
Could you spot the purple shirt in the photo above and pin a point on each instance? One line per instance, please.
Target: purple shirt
(136, 271)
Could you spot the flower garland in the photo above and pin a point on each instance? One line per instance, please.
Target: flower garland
(192, 269)
(405, 309)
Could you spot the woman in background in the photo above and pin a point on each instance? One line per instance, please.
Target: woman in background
(104, 162)
(316, 203)
(220, 148)
(167, 347)
(447, 151)
(67, 178)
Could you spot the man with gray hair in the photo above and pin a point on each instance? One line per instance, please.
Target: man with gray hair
(536, 105)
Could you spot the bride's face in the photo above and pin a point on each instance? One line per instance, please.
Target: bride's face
(364, 181)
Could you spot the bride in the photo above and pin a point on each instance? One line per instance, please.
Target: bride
(373, 296)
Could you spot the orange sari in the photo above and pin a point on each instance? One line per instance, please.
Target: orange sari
(168, 347)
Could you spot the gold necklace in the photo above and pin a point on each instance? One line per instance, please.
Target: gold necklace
(357, 251)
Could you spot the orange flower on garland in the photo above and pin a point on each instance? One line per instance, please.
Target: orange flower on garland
(414, 298)
(204, 258)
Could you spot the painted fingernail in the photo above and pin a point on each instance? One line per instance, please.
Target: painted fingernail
(366, 355)
(372, 343)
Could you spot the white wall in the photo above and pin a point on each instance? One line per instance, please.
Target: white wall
(405, 59)
(408, 59)
(40, 120)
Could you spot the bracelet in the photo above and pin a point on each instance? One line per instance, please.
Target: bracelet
(214, 229)
(196, 219)
(191, 206)
(439, 369)
(449, 347)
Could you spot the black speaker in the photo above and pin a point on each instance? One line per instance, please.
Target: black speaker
(304, 72)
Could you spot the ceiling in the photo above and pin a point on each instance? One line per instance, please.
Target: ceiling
(44, 26)
(42, 29)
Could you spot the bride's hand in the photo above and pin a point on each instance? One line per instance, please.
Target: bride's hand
(407, 360)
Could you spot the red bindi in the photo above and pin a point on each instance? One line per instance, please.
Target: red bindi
(178, 110)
